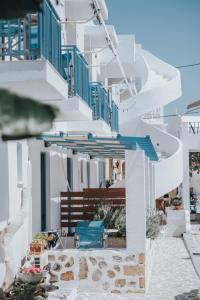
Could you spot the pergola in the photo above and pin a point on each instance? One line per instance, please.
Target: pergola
(137, 152)
(102, 147)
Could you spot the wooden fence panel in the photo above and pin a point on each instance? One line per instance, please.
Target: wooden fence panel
(76, 206)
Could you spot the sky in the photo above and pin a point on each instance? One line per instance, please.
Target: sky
(170, 29)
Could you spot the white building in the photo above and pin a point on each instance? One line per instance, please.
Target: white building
(73, 60)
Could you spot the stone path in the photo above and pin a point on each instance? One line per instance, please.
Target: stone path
(173, 272)
(173, 276)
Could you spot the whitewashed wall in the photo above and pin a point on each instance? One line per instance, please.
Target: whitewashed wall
(11, 186)
(56, 180)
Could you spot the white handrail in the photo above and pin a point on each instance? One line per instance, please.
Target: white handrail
(97, 12)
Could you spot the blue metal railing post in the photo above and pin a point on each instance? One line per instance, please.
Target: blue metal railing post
(36, 35)
(75, 71)
(101, 106)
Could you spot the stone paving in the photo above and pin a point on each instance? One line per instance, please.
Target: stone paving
(173, 276)
(173, 272)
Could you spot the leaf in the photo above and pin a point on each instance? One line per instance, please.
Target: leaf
(22, 117)
(14, 9)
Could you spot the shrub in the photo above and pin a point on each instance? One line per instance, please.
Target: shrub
(153, 220)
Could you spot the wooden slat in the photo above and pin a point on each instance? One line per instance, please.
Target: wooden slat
(86, 203)
(77, 217)
(71, 194)
(92, 201)
(101, 193)
(79, 209)
(68, 224)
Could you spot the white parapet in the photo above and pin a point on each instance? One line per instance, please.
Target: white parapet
(81, 10)
(96, 127)
(135, 201)
(37, 79)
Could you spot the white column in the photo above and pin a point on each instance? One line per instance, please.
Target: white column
(147, 183)
(152, 185)
(186, 179)
(135, 201)
(94, 174)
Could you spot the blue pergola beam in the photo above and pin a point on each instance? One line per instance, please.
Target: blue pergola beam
(104, 147)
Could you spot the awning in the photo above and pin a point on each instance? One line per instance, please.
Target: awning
(102, 147)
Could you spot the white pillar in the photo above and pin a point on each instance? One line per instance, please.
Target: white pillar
(186, 179)
(94, 174)
(147, 183)
(152, 185)
(135, 201)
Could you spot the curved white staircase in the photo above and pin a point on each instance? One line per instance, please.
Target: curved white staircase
(160, 84)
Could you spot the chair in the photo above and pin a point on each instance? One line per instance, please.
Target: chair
(89, 234)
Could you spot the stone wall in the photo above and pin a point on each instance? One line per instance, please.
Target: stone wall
(111, 270)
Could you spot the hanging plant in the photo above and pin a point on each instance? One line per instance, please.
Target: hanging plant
(22, 117)
(14, 9)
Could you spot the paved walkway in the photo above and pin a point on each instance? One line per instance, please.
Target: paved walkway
(173, 272)
(172, 275)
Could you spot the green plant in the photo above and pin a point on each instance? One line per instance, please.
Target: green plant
(113, 218)
(153, 219)
(22, 117)
(18, 9)
(176, 201)
(25, 291)
(120, 222)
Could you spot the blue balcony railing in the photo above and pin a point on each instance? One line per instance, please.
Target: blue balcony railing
(37, 35)
(99, 99)
(75, 71)
(114, 117)
(50, 36)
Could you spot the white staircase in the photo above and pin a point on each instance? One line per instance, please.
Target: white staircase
(161, 85)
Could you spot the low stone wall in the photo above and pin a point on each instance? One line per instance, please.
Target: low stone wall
(111, 270)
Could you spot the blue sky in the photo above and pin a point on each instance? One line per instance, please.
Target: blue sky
(170, 29)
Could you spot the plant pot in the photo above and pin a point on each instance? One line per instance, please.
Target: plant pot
(32, 277)
(36, 249)
(178, 207)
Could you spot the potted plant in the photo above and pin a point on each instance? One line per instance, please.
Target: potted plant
(31, 274)
(177, 202)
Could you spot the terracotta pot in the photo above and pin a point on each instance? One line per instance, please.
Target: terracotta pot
(36, 249)
(178, 207)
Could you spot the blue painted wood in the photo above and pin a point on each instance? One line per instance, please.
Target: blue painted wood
(105, 147)
(75, 71)
(90, 234)
(35, 36)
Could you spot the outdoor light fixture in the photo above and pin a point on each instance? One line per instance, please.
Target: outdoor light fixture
(12, 9)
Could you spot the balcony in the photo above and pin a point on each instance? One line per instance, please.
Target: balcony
(126, 52)
(81, 10)
(95, 38)
(114, 117)
(31, 56)
(33, 63)
(99, 99)
(104, 114)
(75, 72)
